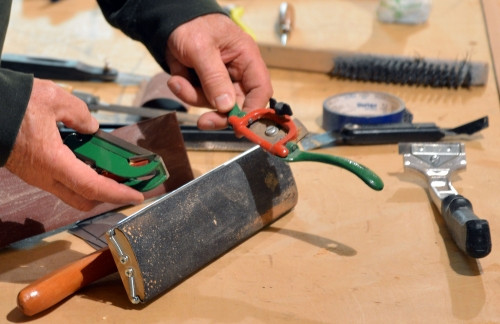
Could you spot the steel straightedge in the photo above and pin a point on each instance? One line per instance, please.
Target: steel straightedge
(166, 242)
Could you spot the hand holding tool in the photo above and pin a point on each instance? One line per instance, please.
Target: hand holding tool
(167, 241)
(437, 161)
(278, 134)
(28, 211)
(119, 160)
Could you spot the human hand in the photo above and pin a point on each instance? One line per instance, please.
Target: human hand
(40, 158)
(227, 62)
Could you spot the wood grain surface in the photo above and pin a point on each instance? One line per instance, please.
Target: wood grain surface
(345, 254)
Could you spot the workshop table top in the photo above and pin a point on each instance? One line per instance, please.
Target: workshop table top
(345, 253)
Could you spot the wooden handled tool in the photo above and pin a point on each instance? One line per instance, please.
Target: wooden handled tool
(56, 286)
(169, 240)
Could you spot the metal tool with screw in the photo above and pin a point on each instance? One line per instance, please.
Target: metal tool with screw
(437, 161)
(274, 130)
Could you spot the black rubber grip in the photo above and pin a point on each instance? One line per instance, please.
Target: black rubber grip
(471, 234)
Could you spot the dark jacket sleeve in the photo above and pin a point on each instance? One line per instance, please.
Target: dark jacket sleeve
(152, 21)
(15, 91)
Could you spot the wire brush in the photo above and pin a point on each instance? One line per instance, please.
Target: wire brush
(378, 68)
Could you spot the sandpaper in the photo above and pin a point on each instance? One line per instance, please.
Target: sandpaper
(156, 94)
(27, 211)
(172, 238)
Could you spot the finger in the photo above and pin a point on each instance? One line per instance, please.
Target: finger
(256, 82)
(85, 182)
(71, 198)
(185, 91)
(258, 97)
(212, 120)
(215, 79)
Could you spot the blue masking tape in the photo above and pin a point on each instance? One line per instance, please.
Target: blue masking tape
(363, 108)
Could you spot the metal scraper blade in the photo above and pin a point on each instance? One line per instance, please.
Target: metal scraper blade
(310, 141)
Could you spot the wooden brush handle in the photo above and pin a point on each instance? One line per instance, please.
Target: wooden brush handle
(54, 287)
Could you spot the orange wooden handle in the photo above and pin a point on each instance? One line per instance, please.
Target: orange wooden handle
(54, 287)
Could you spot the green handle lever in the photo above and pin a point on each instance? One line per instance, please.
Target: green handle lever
(239, 123)
(362, 172)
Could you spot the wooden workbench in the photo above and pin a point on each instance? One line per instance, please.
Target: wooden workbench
(345, 254)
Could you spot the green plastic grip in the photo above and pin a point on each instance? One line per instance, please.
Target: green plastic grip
(118, 158)
(366, 175)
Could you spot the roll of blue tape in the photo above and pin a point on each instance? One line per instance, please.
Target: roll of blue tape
(363, 108)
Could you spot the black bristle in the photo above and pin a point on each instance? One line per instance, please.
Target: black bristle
(410, 71)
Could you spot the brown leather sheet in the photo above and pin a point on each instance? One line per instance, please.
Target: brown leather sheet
(26, 211)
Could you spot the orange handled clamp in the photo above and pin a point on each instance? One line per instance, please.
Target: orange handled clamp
(273, 123)
(275, 131)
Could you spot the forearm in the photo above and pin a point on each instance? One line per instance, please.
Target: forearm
(152, 21)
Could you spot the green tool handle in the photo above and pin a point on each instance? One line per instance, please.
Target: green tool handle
(362, 172)
(143, 185)
(471, 234)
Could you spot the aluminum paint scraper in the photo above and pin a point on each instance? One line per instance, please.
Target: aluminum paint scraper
(166, 242)
(437, 162)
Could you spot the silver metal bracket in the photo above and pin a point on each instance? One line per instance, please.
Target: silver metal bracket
(124, 267)
(437, 161)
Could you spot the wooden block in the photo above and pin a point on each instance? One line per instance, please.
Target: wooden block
(26, 211)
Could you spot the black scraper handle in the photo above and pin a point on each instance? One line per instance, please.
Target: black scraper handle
(471, 234)
(57, 69)
(390, 133)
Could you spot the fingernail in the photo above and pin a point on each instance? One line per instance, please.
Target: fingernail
(137, 202)
(224, 101)
(95, 123)
(175, 87)
(207, 125)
